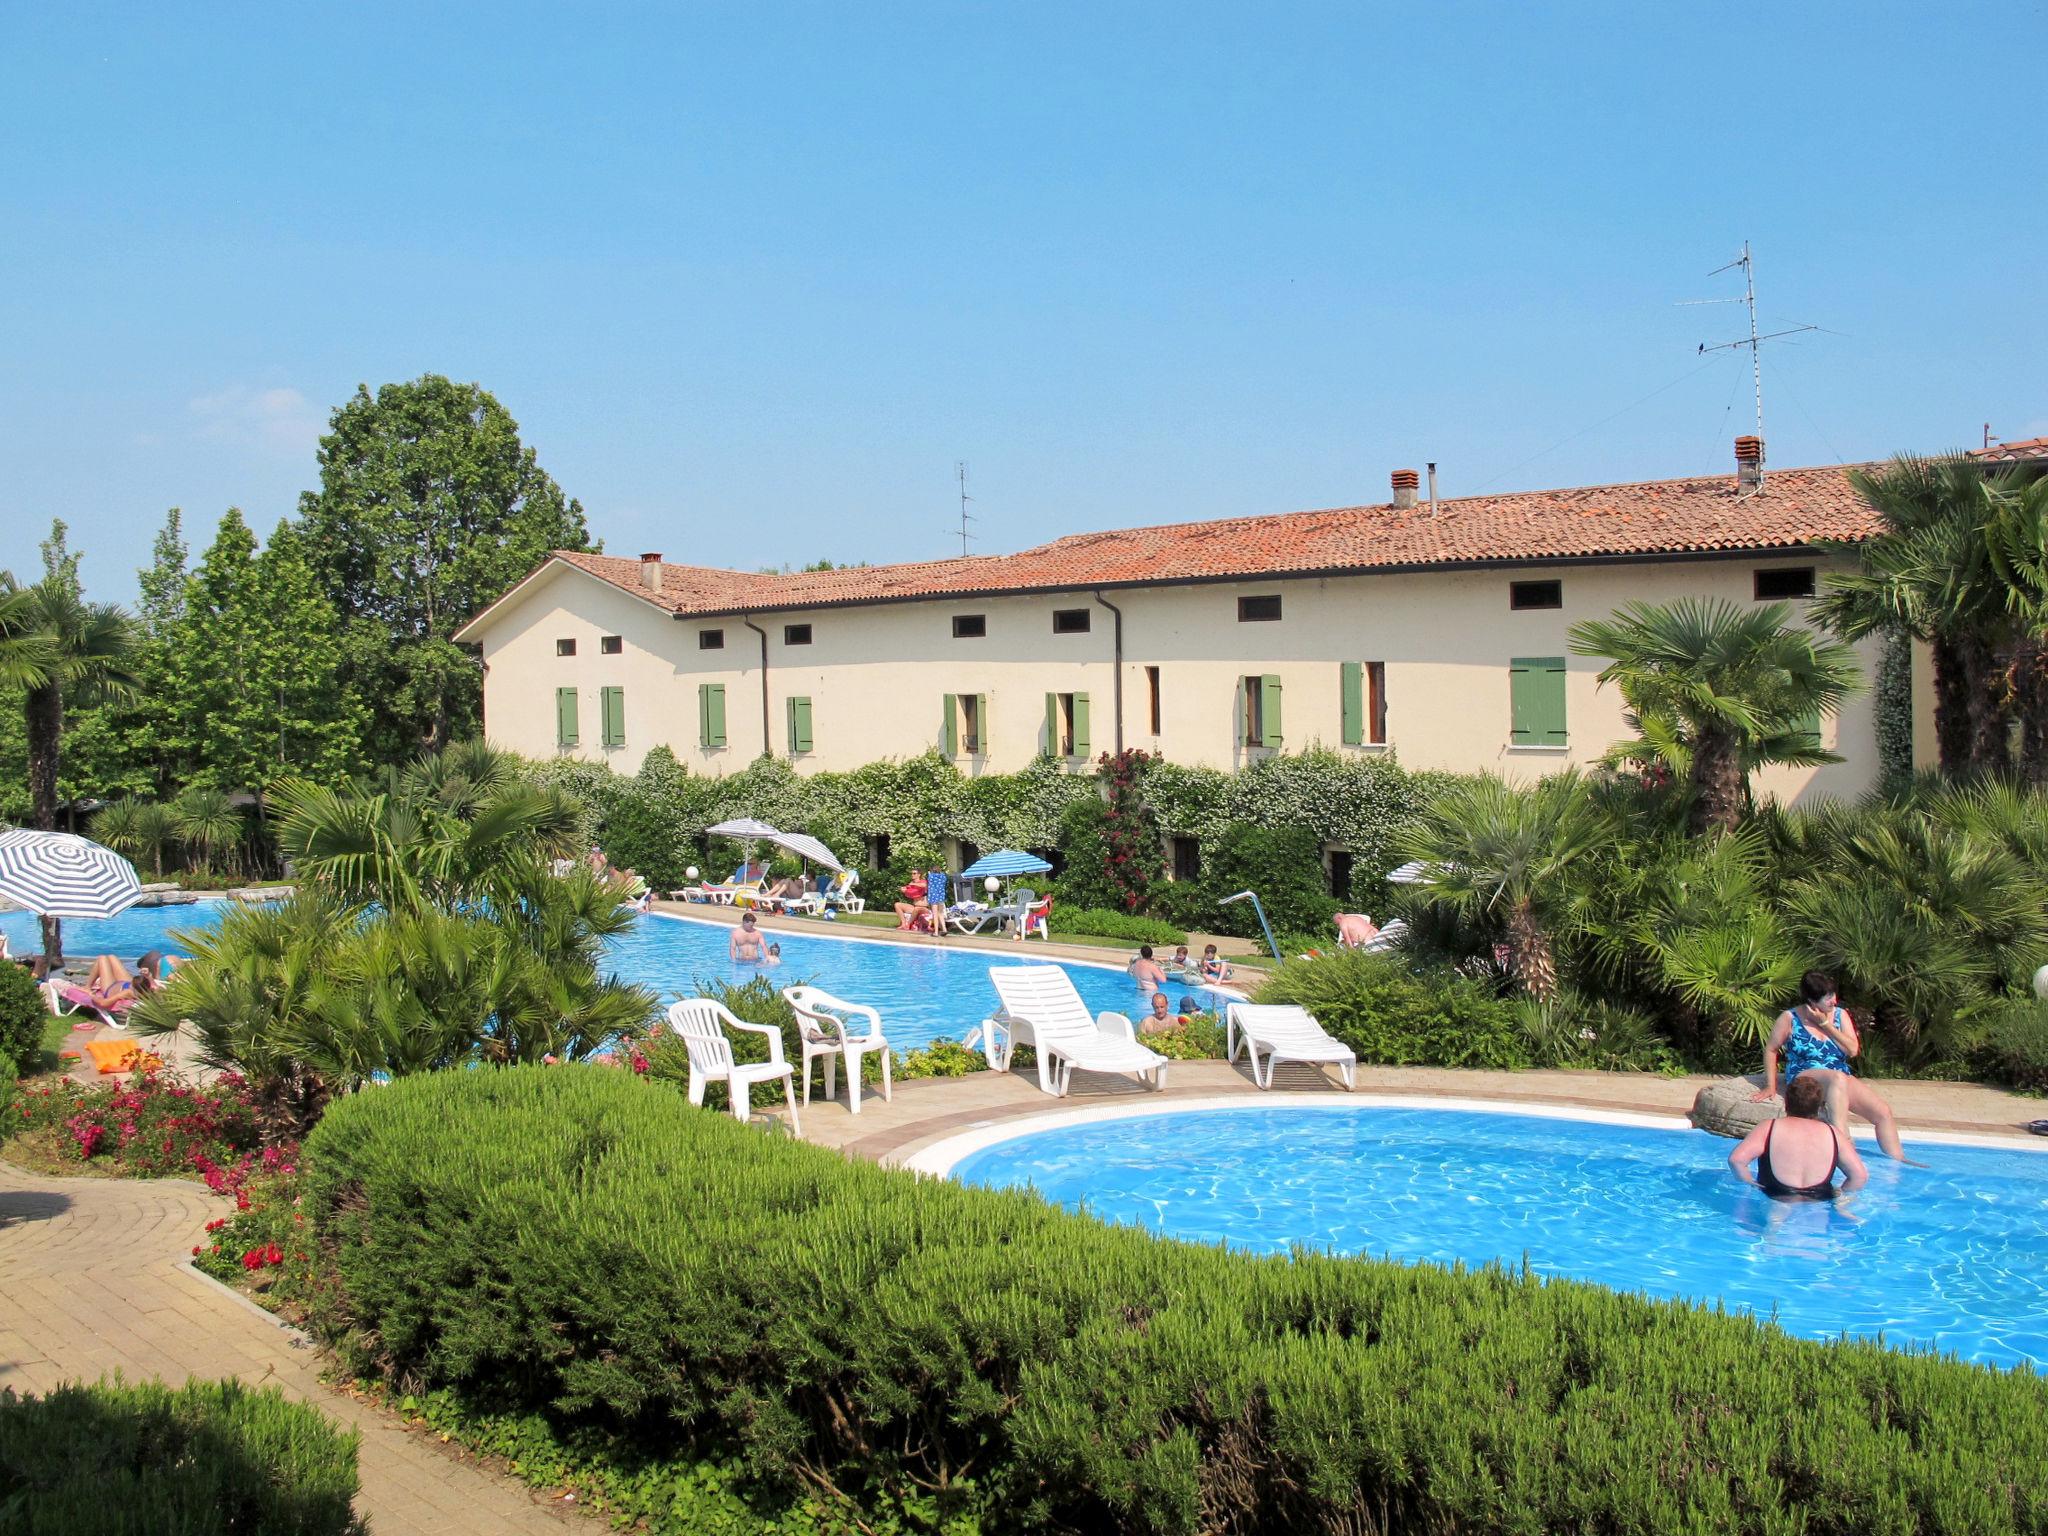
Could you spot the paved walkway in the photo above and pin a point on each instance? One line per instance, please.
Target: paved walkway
(94, 1272)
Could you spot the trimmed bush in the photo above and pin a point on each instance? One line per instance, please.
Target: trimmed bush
(1283, 864)
(114, 1460)
(2015, 1049)
(573, 1241)
(1094, 922)
(1397, 1017)
(22, 1017)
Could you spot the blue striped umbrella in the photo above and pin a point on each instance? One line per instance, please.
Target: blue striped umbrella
(55, 874)
(1010, 861)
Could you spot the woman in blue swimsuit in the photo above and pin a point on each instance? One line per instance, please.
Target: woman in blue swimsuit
(1819, 1037)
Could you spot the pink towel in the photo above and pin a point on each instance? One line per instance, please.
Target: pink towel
(78, 997)
(1354, 928)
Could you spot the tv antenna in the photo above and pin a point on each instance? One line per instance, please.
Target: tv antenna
(960, 471)
(1753, 341)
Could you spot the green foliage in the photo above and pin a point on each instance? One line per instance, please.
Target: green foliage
(1199, 1037)
(117, 1460)
(23, 1014)
(1575, 1031)
(1393, 1016)
(429, 509)
(942, 1058)
(1893, 708)
(2014, 1050)
(1283, 864)
(669, 1277)
(1093, 922)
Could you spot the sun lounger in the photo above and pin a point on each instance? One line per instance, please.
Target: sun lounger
(840, 893)
(65, 999)
(1387, 938)
(1284, 1032)
(702, 1022)
(1041, 1009)
(973, 916)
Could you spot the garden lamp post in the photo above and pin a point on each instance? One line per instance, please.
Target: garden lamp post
(1258, 907)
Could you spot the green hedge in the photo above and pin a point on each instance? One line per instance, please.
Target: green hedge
(1096, 922)
(574, 1239)
(23, 1017)
(1397, 1017)
(150, 1460)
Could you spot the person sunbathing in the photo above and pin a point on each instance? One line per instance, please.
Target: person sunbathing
(109, 984)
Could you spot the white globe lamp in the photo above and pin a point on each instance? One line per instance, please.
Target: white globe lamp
(690, 874)
(2041, 983)
(992, 885)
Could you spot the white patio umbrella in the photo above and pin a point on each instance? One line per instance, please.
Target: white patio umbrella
(746, 831)
(804, 846)
(58, 875)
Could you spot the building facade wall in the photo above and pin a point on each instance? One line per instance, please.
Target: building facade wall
(876, 677)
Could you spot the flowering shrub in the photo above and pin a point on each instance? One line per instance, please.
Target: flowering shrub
(153, 1126)
(264, 1241)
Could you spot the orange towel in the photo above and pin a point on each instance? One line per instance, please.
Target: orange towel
(112, 1056)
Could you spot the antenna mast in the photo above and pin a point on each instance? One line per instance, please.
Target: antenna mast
(1753, 342)
(960, 470)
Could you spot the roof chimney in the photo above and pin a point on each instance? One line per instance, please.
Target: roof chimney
(1432, 488)
(1406, 484)
(650, 571)
(1749, 462)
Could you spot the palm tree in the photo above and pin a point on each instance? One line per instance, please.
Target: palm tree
(1502, 855)
(1716, 691)
(208, 823)
(1960, 566)
(61, 649)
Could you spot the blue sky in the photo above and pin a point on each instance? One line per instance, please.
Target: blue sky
(753, 277)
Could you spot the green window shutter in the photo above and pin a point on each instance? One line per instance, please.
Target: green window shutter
(1353, 684)
(1807, 728)
(1081, 725)
(703, 714)
(714, 711)
(1536, 701)
(981, 725)
(799, 725)
(1052, 725)
(1269, 711)
(613, 709)
(949, 727)
(565, 717)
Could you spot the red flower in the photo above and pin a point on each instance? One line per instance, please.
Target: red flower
(195, 1250)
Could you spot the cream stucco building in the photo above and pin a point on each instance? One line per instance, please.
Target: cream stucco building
(1435, 632)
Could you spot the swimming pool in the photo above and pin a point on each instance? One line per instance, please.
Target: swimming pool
(924, 991)
(1953, 1256)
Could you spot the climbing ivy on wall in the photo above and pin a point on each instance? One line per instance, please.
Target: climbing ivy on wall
(1893, 698)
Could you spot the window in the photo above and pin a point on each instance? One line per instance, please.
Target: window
(1536, 701)
(969, 626)
(613, 704)
(963, 725)
(1261, 696)
(566, 733)
(1364, 702)
(1535, 594)
(1152, 686)
(1070, 621)
(878, 850)
(1258, 610)
(796, 634)
(565, 647)
(710, 639)
(1784, 582)
(711, 714)
(1341, 863)
(1066, 724)
(1187, 858)
(799, 726)
(610, 645)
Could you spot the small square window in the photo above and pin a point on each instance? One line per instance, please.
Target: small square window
(565, 647)
(710, 639)
(1070, 621)
(1258, 610)
(796, 634)
(1784, 582)
(969, 626)
(611, 645)
(1535, 594)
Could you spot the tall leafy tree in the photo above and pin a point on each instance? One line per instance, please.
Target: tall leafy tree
(429, 507)
(1716, 691)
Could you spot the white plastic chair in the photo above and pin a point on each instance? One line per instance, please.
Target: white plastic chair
(1284, 1032)
(827, 1023)
(1041, 1009)
(702, 1023)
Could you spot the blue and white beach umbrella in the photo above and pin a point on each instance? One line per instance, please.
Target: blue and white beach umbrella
(1010, 861)
(56, 874)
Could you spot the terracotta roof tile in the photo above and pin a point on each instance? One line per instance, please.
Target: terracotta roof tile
(1658, 517)
(2026, 448)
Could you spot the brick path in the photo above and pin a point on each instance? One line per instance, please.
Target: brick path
(95, 1279)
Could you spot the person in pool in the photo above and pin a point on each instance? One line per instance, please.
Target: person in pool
(745, 944)
(1798, 1156)
(1817, 1036)
(1161, 1018)
(1180, 961)
(1146, 972)
(774, 955)
(1213, 967)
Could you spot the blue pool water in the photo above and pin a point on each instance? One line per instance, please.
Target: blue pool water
(923, 991)
(1954, 1256)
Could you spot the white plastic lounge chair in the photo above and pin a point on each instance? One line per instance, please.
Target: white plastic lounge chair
(829, 1031)
(1284, 1032)
(702, 1022)
(838, 894)
(1041, 1009)
(972, 917)
(66, 999)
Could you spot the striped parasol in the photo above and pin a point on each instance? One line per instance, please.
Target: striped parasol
(56, 874)
(1010, 861)
(804, 846)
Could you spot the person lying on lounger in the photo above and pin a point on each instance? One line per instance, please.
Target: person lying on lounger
(109, 983)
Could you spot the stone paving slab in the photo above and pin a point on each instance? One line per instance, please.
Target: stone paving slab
(97, 1277)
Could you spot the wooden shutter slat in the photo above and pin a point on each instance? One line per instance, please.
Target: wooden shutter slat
(1269, 711)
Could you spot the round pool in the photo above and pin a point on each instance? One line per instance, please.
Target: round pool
(924, 991)
(1953, 1256)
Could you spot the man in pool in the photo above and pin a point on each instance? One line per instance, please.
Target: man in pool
(745, 944)
(1818, 1037)
(1798, 1156)
(1161, 1018)
(1146, 972)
